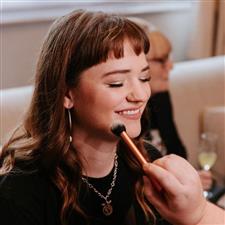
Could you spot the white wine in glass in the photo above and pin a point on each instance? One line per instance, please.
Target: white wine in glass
(207, 154)
(207, 159)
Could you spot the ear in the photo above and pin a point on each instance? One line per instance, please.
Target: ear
(68, 100)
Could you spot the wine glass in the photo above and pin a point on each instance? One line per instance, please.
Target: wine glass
(207, 154)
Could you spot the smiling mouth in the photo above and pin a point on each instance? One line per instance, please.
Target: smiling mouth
(130, 112)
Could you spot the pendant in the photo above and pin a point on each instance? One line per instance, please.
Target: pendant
(107, 208)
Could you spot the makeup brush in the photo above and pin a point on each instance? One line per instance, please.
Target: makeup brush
(120, 131)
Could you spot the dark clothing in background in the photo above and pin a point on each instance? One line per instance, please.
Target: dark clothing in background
(161, 118)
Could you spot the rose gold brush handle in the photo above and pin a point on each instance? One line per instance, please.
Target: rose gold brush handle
(133, 148)
(138, 155)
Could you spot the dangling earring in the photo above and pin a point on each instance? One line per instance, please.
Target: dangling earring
(70, 125)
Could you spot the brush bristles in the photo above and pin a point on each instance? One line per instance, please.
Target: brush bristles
(117, 129)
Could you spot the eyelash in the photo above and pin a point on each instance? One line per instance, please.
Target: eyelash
(147, 79)
(116, 85)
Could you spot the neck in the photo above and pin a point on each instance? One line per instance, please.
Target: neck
(97, 156)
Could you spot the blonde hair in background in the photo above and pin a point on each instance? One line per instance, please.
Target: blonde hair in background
(160, 45)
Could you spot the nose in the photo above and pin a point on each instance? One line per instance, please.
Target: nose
(139, 93)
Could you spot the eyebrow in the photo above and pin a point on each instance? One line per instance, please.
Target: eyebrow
(123, 71)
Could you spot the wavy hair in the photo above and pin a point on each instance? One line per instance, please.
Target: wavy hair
(74, 43)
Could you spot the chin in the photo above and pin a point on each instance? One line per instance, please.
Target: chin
(133, 131)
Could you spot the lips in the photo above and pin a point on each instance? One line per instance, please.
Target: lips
(130, 113)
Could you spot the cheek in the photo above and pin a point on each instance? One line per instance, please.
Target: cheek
(99, 98)
(110, 99)
(84, 97)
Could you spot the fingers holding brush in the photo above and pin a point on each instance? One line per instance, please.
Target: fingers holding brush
(181, 194)
(164, 178)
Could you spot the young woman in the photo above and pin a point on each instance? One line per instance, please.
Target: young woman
(67, 167)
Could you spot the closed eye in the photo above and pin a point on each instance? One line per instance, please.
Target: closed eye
(115, 85)
(145, 79)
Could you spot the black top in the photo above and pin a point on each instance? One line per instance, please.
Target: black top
(32, 199)
(161, 118)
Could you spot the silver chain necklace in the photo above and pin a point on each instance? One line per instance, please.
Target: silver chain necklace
(107, 208)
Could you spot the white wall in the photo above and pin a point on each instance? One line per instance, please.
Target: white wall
(21, 42)
(176, 26)
(19, 51)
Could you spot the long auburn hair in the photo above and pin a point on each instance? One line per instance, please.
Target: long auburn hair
(74, 43)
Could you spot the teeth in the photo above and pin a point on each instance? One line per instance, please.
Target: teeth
(130, 112)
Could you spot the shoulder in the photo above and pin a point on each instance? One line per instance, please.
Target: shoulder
(25, 177)
(24, 197)
(17, 182)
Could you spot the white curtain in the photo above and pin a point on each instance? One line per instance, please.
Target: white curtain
(207, 31)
